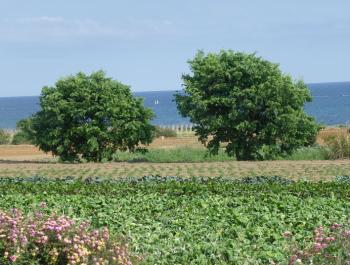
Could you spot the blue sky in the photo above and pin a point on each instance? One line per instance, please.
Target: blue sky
(146, 44)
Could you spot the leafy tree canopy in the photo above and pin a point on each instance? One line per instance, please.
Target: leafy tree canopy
(247, 103)
(90, 117)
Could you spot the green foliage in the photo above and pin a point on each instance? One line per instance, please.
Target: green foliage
(309, 153)
(188, 154)
(193, 222)
(5, 138)
(184, 154)
(166, 132)
(248, 103)
(339, 146)
(90, 117)
(25, 133)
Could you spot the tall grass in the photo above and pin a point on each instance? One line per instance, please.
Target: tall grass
(309, 153)
(5, 137)
(339, 146)
(186, 154)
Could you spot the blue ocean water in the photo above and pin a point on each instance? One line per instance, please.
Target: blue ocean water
(330, 106)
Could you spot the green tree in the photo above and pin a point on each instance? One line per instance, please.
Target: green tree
(90, 117)
(248, 104)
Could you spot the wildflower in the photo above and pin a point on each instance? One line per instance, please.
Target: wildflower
(317, 247)
(13, 258)
(58, 235)
(335, 226)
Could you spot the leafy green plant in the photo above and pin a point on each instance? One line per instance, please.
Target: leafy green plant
(90, 117)
(248, 103)
(5, 138)
(193, 222)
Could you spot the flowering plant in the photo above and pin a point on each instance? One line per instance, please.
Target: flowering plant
(55, 239)
(330, 245)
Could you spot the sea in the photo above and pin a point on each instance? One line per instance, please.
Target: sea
(330, 106)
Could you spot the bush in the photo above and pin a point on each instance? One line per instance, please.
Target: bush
(53, 239)
(24, 134)
(339, 146)
(166, 132)
(5, 138)
(20, 138)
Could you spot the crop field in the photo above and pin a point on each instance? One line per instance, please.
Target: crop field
(194, 222)
(311, 170)
(27, 160)
(215, 221)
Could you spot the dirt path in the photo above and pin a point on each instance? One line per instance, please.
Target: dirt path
(312, 170)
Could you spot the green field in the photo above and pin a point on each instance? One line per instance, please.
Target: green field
(193, 222)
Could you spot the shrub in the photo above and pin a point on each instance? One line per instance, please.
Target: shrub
(24, 134)
(5, 137)
(20, 138)
(330, 245)
(339, 146)
(166, 132)
(53, 239)
(247, 103)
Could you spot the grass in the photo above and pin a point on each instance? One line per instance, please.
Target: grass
(174, 155)
(309, 153)
(190, 155)
(191, 222)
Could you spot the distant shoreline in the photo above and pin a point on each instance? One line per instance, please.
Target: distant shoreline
(175, 90)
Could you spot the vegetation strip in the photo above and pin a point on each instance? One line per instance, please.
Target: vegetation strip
(194, 222)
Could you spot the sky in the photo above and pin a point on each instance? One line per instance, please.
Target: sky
(146, 44)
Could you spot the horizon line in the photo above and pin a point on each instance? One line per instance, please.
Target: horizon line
(145, 91)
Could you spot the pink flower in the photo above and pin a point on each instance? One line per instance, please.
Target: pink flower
(347, 233)
(329, 239)
(317, 247)
(13, 258)
(335, 226)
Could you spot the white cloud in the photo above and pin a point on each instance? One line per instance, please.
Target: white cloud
(33, 29)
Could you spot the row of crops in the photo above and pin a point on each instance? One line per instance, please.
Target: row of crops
(193, 221)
